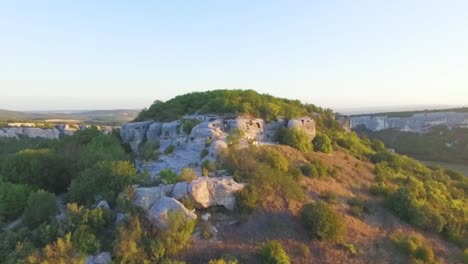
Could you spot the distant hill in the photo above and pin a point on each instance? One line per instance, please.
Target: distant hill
(112, 117)
(411, 113)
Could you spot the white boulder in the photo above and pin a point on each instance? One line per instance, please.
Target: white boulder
(159, 213)
(206, 192)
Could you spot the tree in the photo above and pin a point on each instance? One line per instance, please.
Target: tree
(105, 180)
(322, 222)
(41, 207)
(295, 138)
(13, 198)
(322, 143)
(273, 253)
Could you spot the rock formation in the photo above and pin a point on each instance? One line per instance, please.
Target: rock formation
(305, 124)
(101, 258)
(159, 213)
(206, 192)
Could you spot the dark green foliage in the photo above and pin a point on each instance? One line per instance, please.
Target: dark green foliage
(41, 207)
(188, 125)
(295, 138)
(207, 167)
(104, 180)
(322, 143)
(169, 150)
(168, 176)
(100, 148)
(13, 198)
(273, 253)
(322, 222)
(150, 150)
(227, 102)
(358, 206)
(316, 169)
(204, 153)
(13, 145)
(38, 167)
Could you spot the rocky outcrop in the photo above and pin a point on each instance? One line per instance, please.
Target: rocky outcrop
(31, 132)
(305, 124)
(216, 149)
(101, 258)
(146, 197)
(271, 129)
(253, 128)
(154, 132)
(180, 191)
(207, 130)
(135, 134)
(159, 213)
(345, 122)
(418, 123)
(206, 192)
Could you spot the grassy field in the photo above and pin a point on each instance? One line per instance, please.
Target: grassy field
(453, 166)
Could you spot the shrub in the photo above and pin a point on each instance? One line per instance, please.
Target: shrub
(188, 125)
(315, 169)
(62, 251)
(322, 143)
(465, 256)
(413, 247)
(329, 197)
(207, 167)
(13, 198)
(188, 175)
(41, 207)
(204, 153)
(273, 253)
(169, 150)
(177, 235)
(224, 260)
(105, 180)
(322, 222)
(295, 138)
(168, 176)
(150, 150)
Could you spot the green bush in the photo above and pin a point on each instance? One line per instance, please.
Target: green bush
(188, 125)
(41, 207)
(273, 253)
(13, 198)
(224, 260)
(105, 180)
(322, 222)
(204, 153)
(234, 137)
(315, 169)
(322, 143)
(37, 167)
(295, 138)
(150, 150)
(358, 206)
(208, 166)
(168, 176)
(169, 150)
(414, 247)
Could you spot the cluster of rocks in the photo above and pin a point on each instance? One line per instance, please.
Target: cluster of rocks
(17, 130)
(212, 129)
(418, 123)
(158, 202)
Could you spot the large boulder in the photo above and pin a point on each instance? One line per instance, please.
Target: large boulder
(271, 129)
(134, 134)
(159, 213)
(170, 130)
(101, 258)
(216, 149)
(305, 124)
(180, 190)
(253, 128)
(206, 130)
(145, 197)
(154, 132)
(206, 192)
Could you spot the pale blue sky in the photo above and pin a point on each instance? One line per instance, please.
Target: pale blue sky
(124, 54)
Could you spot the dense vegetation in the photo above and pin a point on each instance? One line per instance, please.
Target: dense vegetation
(227, 102)
(439, 144)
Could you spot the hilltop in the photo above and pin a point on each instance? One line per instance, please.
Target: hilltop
(229, 177)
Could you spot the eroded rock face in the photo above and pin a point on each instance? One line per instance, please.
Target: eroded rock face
(159, 213)
(345, 122)
(31, 132)
(207, 130)
(216, 149)
(154, 132)
(271, 129)
(101, 258)
(253, 128)
(145, 197)
(180, 190)
(134, 134)
(206, 192)
(305, 124)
